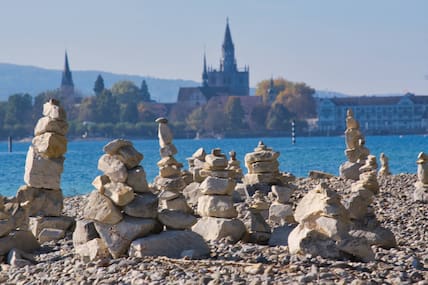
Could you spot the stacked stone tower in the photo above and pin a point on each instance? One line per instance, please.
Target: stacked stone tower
(174, 211)
(120, 209)
(215, 206)
(384, 166)
(43, 169)
(235, 165)
(421, 186)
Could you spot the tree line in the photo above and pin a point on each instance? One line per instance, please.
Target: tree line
(127, 110)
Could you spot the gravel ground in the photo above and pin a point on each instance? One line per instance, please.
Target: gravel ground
(248, 263)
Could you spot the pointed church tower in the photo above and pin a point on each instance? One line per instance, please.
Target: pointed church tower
(67, 85)
(228, 62)
(205, 73)
(271, 92)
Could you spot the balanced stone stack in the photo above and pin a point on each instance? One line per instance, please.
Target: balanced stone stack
(43, 168)
(263, 169)
(281, 209)
(258, 231)
(174, 212)
(14, 233)
(384, 166)
(120, 209)
(235, 166)
(363, 219)
(421, 186)
(215, 206)
(196, 164)
(355, 151)
(324, 226)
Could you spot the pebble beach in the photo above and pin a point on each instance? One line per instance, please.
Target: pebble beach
(245, 263)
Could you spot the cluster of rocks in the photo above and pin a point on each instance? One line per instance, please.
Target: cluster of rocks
(324, 226)
(174, 212)
(120, 209)
(215, 205)
(43, 169)
(355, 151)
(421, 186)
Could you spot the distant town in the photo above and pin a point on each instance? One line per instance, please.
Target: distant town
(220, 107)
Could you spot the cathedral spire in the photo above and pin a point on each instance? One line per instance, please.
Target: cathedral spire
(205, 73)
(67, 85)
(228, 61)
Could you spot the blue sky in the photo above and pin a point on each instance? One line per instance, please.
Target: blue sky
(356, 47)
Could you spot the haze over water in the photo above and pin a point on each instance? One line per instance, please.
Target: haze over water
(309, 153)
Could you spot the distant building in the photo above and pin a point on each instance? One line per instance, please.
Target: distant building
(376, 115)
(67, 85)
(228, 80)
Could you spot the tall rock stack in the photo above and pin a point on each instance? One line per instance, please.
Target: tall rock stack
(258, 231)
(324, 226)
(174, 212)
(263, 169)
(43, 168)
(362, 215)
(120, 209)
(356, 152)
(421, 186)
(384, 166)
(215, 206)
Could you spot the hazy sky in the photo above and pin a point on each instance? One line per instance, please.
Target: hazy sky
(356, 47)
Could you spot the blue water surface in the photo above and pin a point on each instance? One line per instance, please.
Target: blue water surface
(309, 153)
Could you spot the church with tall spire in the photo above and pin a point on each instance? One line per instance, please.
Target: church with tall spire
(226, 80)
(67, 85)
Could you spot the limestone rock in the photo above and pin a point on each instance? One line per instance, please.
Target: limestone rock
(169, 171)
(177, 220)
(172, 184)
(192, 193)
(23, 240)
(94, 249)
(279, 236)
(171, 244)
(281, 214)
(129, 156)
(118, 237)
(168, 150)
(119, 193)
(47, 124)
(164, 132)
(41, 202)
(144, 205)
(216, 206)
(379, 236)
(41, 172)
(38, 224)
(137, 179)
(52, 110)
(357, 247)
(113, 168)
(217, 186)
(350, 170)
(315, 174)
(99, 182)
(49, 234)
(282, 194)
(113, 146)
(217, 228)
(177, 204)
(50, 145)
(101, 209)
(84, 232)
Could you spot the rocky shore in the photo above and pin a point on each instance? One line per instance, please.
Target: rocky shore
(245, 263)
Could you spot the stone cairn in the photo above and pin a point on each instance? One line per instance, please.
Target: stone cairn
(120, 209)
(43, 168)
(421, 186)
(324, 226)
(174, 212)
(363, 219)
(235, 166)
(196, 163)
(384, 166)
(355, 151)
(258, 231)
(264, 176)
(215, 206)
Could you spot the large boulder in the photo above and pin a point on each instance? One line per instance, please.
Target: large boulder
(118, 237)
(41, 202)
(101, 209)
(217, 228)
(216, 206)
(41, 172)
(173, 244)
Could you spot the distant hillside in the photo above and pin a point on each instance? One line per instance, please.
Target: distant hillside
(328, 94)
(34, 80)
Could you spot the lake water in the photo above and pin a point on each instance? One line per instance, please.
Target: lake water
(309, 153)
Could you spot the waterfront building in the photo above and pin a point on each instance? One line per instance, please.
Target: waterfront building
(376, 114)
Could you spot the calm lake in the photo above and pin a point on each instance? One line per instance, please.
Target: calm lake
(309, 153)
